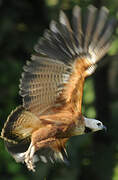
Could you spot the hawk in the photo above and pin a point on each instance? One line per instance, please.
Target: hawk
(52, 84)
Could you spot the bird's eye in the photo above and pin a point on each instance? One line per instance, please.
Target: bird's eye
(99, 124)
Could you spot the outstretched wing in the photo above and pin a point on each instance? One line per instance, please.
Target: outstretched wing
(65, 56)
(42, 82)
(54, 79)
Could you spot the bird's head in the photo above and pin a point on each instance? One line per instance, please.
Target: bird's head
(92, 125)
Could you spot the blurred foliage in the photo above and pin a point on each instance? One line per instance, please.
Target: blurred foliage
(92, 157)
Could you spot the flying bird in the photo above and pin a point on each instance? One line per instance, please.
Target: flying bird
(51, 87)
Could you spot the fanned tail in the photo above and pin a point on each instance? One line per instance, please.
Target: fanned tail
(44, 154)
(19, 126)
(54, 79)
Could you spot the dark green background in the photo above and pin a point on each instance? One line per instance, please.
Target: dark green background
(92, 157)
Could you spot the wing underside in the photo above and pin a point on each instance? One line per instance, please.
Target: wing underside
(54, 78)
(65, 56)
(42, 83)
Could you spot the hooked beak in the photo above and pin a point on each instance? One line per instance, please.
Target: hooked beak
(104, 128)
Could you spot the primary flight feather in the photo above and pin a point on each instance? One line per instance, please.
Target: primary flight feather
(51, 87)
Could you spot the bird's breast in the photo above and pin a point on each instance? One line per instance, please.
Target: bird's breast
(78, 131)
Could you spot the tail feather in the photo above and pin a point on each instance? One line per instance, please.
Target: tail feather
(19, 126)
(45, 155)
(18, 151)
(88, 40)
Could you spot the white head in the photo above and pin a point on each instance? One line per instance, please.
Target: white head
(92, 125)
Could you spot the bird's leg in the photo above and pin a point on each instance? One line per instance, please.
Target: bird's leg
(29, 157)
(32, 149)
(41, 138)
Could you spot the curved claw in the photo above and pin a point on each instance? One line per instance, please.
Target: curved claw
(29, 157)
(30, 164)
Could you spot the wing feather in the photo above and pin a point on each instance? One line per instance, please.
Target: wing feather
(52, 83)
(65, 56)
(77, 26)
(90, 21)
(41, 82)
